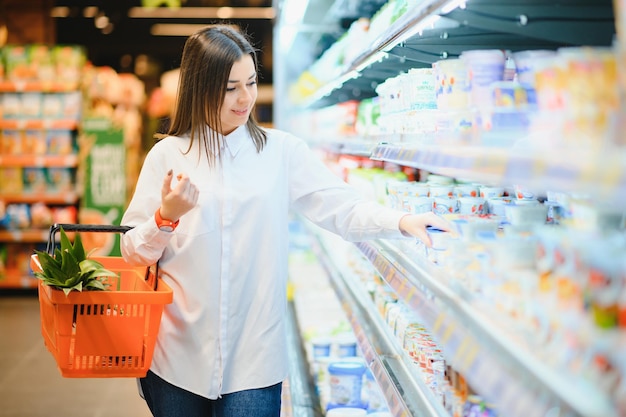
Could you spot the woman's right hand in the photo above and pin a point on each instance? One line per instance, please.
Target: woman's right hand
(416, 225)
(178, 200)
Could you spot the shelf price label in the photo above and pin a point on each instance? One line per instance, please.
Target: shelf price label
(39, 161)
(518, 168)
(410, 298)
(491, 163)
(611, 175)
(389, 274)
(439, 322)
(466, 353)
(16, 235)
(20, 85)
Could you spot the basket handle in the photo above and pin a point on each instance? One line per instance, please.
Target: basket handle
(104, 228)
(70, 227)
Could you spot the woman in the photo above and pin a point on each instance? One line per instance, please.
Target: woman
(212, 203)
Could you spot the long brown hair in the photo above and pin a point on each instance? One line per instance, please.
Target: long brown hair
(208, 57)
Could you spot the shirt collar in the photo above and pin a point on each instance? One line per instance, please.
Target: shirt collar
(234, 140)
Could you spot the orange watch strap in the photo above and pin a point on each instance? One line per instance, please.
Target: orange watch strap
(161, 222)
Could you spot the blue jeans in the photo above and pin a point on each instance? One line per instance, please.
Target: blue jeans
(167, 400)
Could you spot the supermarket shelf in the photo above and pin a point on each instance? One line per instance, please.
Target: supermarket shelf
(14, 279)
(24, 235)
(601, 174)
(38, 124)
(48, 198)
(392, 368)
(416, 39)
(441, 42)
(492, 360)
(356, 147)
(37, 86)
(68, 161)
(353, 85)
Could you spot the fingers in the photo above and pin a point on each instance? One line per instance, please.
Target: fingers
(422, 235)
(440, 223)
(417, 225)
(180, 199)
(167, 183)
(185, 188)
(192, 194)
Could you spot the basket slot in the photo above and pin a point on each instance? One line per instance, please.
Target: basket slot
(116, 311)
(106, 364)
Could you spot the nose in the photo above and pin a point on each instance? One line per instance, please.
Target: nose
(244, 96)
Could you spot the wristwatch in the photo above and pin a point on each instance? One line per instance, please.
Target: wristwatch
(164, 224)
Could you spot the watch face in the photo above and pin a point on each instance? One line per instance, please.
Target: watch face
(166, 228)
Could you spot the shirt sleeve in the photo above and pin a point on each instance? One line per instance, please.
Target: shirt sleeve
(328, 201)
(145, 243)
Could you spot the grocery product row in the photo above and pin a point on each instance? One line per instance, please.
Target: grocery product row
(41, 67)
(495, 97)
(23, 107)
(30, 142)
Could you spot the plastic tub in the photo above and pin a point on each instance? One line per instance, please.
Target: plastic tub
(346, 381)
(320, 347)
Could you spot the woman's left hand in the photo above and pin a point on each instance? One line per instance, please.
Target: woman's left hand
(416, 224)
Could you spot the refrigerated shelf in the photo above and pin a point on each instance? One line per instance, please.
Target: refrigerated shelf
(416, 39)
(398, 378)
(494, 361)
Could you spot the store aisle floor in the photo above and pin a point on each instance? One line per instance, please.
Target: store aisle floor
(31, 385)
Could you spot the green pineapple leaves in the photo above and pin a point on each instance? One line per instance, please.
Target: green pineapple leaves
(71, 269)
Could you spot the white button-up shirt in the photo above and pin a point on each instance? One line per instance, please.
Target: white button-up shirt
(227, 260)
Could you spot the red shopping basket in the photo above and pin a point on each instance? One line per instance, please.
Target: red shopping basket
(103, 334)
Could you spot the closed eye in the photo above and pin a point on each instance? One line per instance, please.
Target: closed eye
(250, 84)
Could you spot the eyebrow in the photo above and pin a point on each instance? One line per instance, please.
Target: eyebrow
(249, 78)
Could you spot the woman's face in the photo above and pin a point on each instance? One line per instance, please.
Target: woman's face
(241, 94)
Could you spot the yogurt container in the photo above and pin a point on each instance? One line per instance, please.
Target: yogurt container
(346, 381)
(471, 205)
(445, 205)
(320, 346)
(346, 345)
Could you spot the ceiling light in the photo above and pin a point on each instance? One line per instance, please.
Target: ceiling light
(101, 21)
(90, 11)
(177, 29)
(202, 13)
(225, 12)
(108, 29)
(60, 11)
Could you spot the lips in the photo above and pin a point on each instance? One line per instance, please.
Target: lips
(241, 112)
